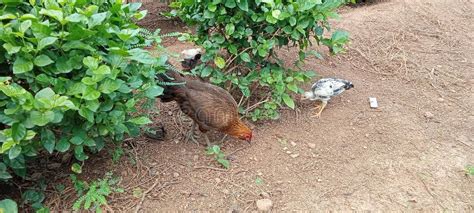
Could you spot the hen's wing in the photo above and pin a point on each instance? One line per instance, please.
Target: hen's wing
(210, 106)
(329, 87)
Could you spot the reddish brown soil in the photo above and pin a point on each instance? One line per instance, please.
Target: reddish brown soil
(415, 57)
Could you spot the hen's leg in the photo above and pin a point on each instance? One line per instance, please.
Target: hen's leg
(191, 134)
(321, 108)
(208, 142)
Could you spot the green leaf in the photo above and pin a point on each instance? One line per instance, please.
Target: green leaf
(140, 120)
(76, 168)
(63, 145)
(75, 17)
(307, 4)
(245, 57)
(229, 29)
(276, 14)
(230, 4)
(102, 70)
(11, 49)
(87, 114)
(56, 14)
(48, 140)
(7, 205)
(224, 162)
(77, 140)
(90, 94)
(206, 72)
(41, 118)
(97, 19)
(292, 21)
(91, 62)
(219, 61)
(154, 91)
(109, 86)
(14, 152)
(43, 60)
(46, 93)
(46, 42)
(22, 65)
(18, 132)
(288, 100)
(25, 25)
(340, 37)
(243, 5)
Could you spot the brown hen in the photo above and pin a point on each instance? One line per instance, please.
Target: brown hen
(209, 106)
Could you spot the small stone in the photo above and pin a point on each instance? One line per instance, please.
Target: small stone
(319, 180)
(440, 100)
(365, 147)
(367, 135)
(264, 204)
(226, 191)
(196, 157)
(293, 143)
(285, 148)
(175, 174)
(288, 152)
(218, 180)
(265, 195)
(170, 112)
(295, 155)
(429, 115)
(311, 145)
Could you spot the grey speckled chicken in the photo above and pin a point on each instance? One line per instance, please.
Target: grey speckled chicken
(325, 89)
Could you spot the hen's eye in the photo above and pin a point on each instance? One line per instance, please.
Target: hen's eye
(330, 86)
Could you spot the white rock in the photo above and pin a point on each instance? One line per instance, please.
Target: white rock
(429, 115)
(293, 143)
(264, 204)
(295, 155)
(311, 145)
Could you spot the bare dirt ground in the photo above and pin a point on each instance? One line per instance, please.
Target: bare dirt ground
(415, 57)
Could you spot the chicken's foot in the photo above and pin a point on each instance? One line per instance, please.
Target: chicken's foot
(208, 142)
(319, 108)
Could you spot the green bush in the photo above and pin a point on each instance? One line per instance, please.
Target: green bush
(240, 37)
(72, 73)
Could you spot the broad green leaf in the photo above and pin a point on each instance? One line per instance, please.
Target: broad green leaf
(46, 42)
(87, 114)
(77, 140)
(90, 93)
(63, 145)
(109, 86)
(46, 93)
(140, 120)
(102, 70)
(7, 205)
(276, 14)
(154, 91)
(206, 72)
(292, 21)
(48, 139)
(243, 5)
(220, 62)
(41, 118)
(307, 4)
(97, 19)
(91, 62)
(340, 37)
(22, 65)
(14, 152)
(18, 132)
(230, 4)
(288, 100)
(76, 17)
(56, 14)
(76, 168)
(245, 57)
(43, 60)
(229, 29)
(11, 49)
(7, 16)
(25, 25)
